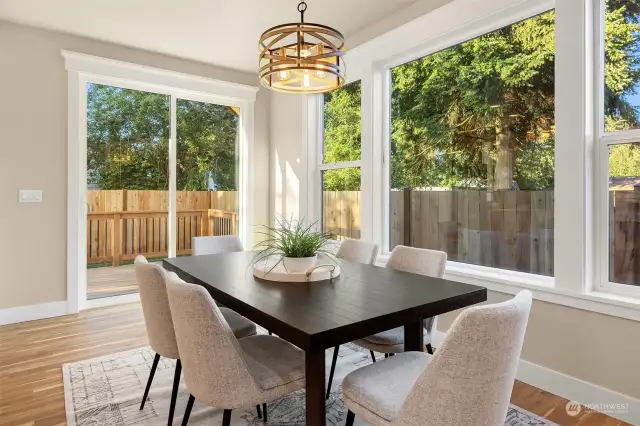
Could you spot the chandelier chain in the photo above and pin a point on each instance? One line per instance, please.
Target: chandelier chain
(302, 7)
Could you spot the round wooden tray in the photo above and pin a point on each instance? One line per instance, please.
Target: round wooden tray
(265, 270)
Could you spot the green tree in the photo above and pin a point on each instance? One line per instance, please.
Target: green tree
(481, 113)
(342, 140)
(128, 141)
(127, 138)
(207, 141)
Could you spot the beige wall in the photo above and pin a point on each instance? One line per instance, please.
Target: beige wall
(288, 186)
(33, 153)
(599, 349)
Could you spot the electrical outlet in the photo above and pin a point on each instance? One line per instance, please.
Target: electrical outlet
(30, 196)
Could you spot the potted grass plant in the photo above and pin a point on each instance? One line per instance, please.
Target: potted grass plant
(295, 242)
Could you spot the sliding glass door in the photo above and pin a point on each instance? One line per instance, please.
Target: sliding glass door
(147, 195)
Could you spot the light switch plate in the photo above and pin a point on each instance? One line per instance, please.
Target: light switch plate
(30, 196)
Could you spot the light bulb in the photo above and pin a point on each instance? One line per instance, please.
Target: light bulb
(306, 81)
(321, 74)
(305, 53)
(284, 75)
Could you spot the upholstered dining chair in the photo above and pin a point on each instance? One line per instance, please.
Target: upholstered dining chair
(151, 280)
(215, 245)
(408, 259)
(221, 370)
(462, 384)
(430, 263)
(358, 251)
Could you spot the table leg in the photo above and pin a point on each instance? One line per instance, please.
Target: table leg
(314, 370)
(413, 337)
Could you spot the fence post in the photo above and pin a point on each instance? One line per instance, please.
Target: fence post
(204, 222)
(234, 218)
(116, 239)
(407, 216)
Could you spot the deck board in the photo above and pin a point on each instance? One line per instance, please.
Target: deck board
(110, 281)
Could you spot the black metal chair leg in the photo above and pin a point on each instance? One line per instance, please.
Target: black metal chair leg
(429, 349)
(386, 356)
(187, 412)
(270, 333)
(333, 369)
(373, 356)
(226, 418)
(259, 411)
(350, 418)
(264, 412)
(151, 373)
(174, 392)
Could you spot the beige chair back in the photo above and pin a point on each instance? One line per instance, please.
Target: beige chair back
(214, 368)
(471, 376)
(155, 307)
(419, 261)
(215, 245)
(358, 251)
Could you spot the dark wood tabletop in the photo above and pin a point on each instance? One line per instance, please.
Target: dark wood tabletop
(314, 316)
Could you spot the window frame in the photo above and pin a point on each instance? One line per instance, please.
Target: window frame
(604, 140)
(317, 108)
(382, 73)
(577, 215)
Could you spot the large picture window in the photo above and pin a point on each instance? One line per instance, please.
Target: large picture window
(472, 149)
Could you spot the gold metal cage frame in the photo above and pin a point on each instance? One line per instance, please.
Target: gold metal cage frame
(302, 57)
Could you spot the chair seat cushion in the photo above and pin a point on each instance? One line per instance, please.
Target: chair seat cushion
(272, 361)
(383, 386)
(395, 336)
(240, 326)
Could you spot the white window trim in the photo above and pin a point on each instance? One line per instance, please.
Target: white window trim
(83, 69)
(315, 138)
(603, 141)
(575, 191)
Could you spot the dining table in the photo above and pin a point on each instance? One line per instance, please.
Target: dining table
(314, 316)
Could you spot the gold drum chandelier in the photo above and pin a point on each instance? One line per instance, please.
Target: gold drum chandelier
(302, 57)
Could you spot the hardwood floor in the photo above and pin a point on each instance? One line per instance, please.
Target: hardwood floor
(31, 354)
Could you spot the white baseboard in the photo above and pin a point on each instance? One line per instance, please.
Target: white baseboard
(33, 312)
(597, 398)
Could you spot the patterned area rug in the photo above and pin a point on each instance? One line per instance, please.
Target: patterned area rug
(108, 391)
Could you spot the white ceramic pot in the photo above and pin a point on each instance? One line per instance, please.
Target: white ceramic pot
(299, 264)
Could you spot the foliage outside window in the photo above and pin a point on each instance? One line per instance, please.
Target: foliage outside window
(472, 139)
(128, 141)
(342, 143)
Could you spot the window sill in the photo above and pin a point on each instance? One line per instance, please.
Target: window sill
(543, 289)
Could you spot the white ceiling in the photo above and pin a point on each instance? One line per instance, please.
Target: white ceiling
(219, 32)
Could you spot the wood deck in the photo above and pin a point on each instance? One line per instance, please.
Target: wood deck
(110, 281)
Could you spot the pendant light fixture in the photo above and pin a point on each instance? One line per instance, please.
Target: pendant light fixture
(302, 57)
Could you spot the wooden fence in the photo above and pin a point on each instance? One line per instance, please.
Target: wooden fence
(120, 236)
(141, 200)
(125, 223)
(624, 237)
(503, 229)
